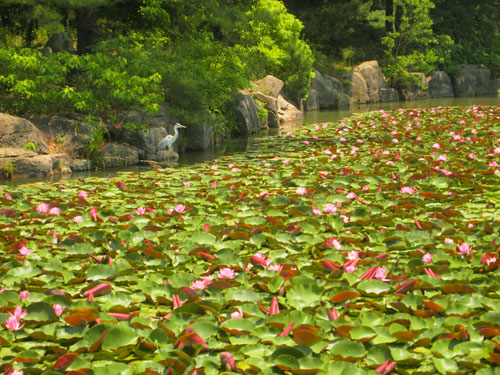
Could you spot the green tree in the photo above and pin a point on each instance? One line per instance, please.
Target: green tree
(410, 43)
(474, 27)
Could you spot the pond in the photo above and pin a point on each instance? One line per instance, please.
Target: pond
(244, 144)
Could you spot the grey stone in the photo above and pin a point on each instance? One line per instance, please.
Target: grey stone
(312, 103)
(494, 87)
(247, 117)
(473, 80)
(288, 112)
(115, 155)
(60, 42)
(17, 132)
(270, 85)
(81, 165)
(326, 93)
(388, 95)
(417, 91)
(372, 75)
(199, 136)
(440, 85)
(357, 87)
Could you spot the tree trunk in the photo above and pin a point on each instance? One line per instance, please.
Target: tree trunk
(88, 33)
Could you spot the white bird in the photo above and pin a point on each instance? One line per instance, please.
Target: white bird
(168, 141)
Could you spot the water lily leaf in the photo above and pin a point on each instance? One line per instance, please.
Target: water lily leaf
(101, 272)
(445, 366)
(238, 326)
(348, 350)
(40, 312)
(373, 287)
(362, 333)
(345, 295)
(303, 296)
(242, 295)
(119, 336)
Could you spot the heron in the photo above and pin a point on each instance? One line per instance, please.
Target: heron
(168, 141)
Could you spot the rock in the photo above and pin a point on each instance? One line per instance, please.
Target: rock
(60, 42)
(199, 136)
(440, 85)
(17, 162)
(67, 132)
(46, 51)
(114, 155)
(473, 80)
(370, 70)
(327, 90)
(388, 95)
(17, 132)
(494, 87)
(247, 117)
(335, 83)
(312, 103)
(81, 165)
(357, 87)
(417, 91)
(270, 103)
(269, 85)
(288, 112)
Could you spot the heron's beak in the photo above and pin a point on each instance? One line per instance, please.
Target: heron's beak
(182, 126)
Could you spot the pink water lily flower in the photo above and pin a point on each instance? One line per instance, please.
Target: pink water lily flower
(13, 322)
(58, 309)
(83, 194)
(226, 273)
(381, 274)
(180, 208)
(330, 208)
(316, 211)
(427, 258)
(140, 211)
(464, 249)
(201, 284)
(78, 219)
(93, 213)
(25, 251)
(407, 190)
(24, 295)
(43, 207)
(333, 242)
(54, 211)
(301, 190)
(236, 314)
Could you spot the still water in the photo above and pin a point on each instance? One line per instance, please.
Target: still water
(242, 144)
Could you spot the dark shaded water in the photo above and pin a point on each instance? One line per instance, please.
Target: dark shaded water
(238, 145)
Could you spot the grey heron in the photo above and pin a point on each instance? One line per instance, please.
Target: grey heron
(168, 141)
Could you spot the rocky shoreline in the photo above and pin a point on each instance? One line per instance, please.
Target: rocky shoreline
(47, 145)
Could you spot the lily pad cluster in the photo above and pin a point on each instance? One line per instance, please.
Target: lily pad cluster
(368, 246)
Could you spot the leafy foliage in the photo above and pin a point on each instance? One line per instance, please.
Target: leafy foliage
(361, 247)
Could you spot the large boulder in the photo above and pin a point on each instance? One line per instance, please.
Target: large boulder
(67, 132)
(18, 132)
(270, 104)
(60, 42)
(247, 117)
(357, 87)
(370, 71)
(269, 85)
(439, 84)
(288, 112)
(494, 87)
(328, 91)
(417, 90)
(115, 155)
(17, 162)
(388, 95)
(473, 80)
(312, 101)
(199, 136)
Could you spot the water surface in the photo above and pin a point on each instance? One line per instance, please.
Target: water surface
(244, 144)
